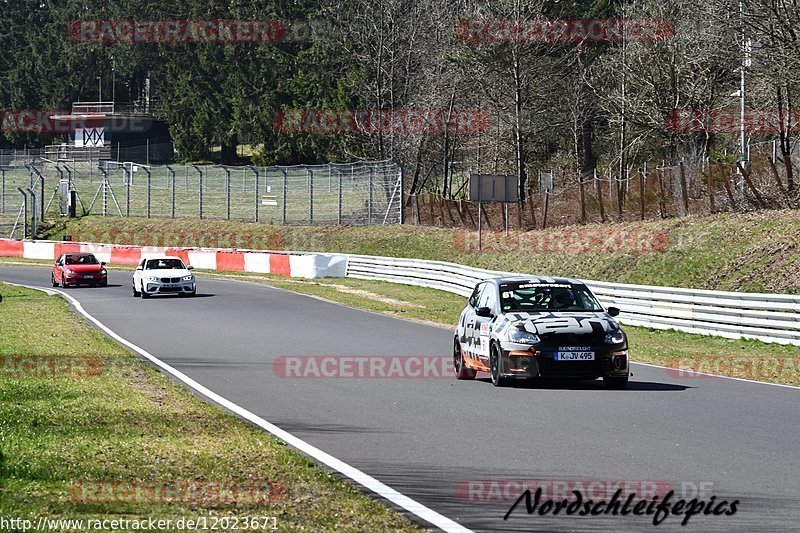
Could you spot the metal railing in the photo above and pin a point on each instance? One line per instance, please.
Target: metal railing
(362, 193)
(773, 318)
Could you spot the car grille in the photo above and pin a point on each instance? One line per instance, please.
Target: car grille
(170, 280)
(551, 343)
(169, 289)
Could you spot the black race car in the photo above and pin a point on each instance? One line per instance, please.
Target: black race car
(531, 327)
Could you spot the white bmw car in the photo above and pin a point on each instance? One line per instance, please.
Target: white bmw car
(162, 274)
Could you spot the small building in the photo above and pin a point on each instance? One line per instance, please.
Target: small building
(109, 131)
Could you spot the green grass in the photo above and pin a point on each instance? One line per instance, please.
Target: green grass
(756, 252)
(132, 426)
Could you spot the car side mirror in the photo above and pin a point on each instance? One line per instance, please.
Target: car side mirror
(139, 268)
(102, 263)
(483, 311)
(190, 267)
(613, 311)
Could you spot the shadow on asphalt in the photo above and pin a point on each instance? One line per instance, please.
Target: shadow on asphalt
(552, 384)
(110, 285)
(178, 297)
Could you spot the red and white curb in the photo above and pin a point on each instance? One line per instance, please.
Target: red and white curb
(296, 265)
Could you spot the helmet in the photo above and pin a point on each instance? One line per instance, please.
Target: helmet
(562, 298)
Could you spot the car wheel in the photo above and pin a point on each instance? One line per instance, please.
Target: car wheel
(63, 282)
(53, 281)
(144, 294)
(615, 382)
(460, 367)
(495, 365)
(133, 289)
(104, 283)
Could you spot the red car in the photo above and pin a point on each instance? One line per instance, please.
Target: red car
(78, 269)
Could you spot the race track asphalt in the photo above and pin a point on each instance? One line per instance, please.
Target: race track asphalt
(429, 437)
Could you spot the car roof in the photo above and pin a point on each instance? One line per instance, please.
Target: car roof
(79, 254)
(535, 279)
(160, 256)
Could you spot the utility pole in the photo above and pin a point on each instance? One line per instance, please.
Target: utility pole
(113, 82)
(746, 61)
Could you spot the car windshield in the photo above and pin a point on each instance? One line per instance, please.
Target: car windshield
(536, 297)
(81, 260)
(153, 264)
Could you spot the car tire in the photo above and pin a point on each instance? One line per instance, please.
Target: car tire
(144, 294)
(459, 366)
(53, 281)
(616, 382)
(495, 365)
(63, 282)
(133, 290)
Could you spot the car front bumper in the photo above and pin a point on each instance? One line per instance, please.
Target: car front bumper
(180, 287)
(524, 361)
(86, 279)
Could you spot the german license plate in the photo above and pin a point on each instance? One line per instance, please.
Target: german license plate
(574, 353)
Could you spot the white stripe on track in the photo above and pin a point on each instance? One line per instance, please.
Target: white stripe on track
(385, 491)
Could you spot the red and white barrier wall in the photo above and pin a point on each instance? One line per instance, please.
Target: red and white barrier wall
(297, 265)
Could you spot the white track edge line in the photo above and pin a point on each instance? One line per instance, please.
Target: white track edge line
(383, 490)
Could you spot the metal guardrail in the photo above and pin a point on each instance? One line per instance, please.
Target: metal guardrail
(773, 318)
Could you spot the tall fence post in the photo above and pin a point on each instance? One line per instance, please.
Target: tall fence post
(3, 190)
(310, 195)
(41, 198)
(256, 191)
(285, 187)
(129, 174)
(200, 190)
(24, 212)
(339, 202)
(105, 192)
(369, 198)
(149, 183)
(402, 194)
(172, 186)
(227, 193)
(33, 212)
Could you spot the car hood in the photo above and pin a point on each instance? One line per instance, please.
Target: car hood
(167, 272)
(84, 268)
(573, 322)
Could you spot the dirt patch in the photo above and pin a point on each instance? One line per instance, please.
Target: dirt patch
(338, 287)
(138, 380)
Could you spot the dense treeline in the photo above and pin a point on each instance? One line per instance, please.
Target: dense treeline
(549, 102)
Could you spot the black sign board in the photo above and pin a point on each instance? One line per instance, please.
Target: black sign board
(493, 188)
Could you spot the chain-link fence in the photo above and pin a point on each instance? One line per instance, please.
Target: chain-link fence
(363, 193)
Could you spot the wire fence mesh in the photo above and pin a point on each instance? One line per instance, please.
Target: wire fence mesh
(363, 193)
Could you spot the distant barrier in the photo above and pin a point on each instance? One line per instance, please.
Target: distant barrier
(773, 318)
(293, 264)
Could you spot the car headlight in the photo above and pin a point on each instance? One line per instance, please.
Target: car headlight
(103, 271)
(522, 337)
(190, 277)
(615, 337)
(152, 278)
(68, 271)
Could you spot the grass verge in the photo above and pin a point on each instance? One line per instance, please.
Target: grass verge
(140, 437)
